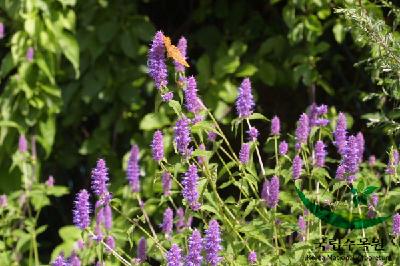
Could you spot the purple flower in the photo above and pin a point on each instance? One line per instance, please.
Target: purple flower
(166, 97)
(319, 153)
(374, 200)
(194, 257)
(174, 256)
(167, 223)
(189, 190)
(252, 257)
(81, 210)
(156, 61)
(315, 113)
(396, 225)
(283, 148)
(3, 201)
(297, 167)
(201, 159)
(302, 226)
(372, 160)
(350, 158)
(253, 134)
(371, 212)
(100, 178)
(2, 30)
(157, 146)
(50, 181)
(182, 135)
(111, 243)
(212, 243)
(245, 102)
(22, 144)
(275, 126)
(133, 169)
(74, 260)
(340, 172)
(142, 250)
(182, 46)
(361, 146)
(166, 183)
(180, 223)
(244, 153)
(30, 53)
(59, 261)
(193, 103)
(302, 130)
(211, 136)
(393, 162)
(340, 133)
(270, 192)
(107, 217)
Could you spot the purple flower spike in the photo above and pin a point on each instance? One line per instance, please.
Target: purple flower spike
(340, 133)
(133, 169)
(157, 146)
(59, 261)
(166, 183)
(372, 160)
(142, 250)
(50, 181)
(30, 53)
(167, 223)
(252, 257)
(275, 126)
(193, 103)
(2, 30)
(244, 153)
(350, 158)
(301, 224)
(194, 257)
(212, 243)
(302, 130)
(182, 47)
(320, 154)
(340, 172)
(168, 96)
(156, 61)
(315, 113)
(374, 200)
(100, 178)
(111, 243)
(253, 134)
(107, 217)
(245, 102)
(3, 201)
(361, 146)
(22, 144)
(174, 256)
(81, 210)
(283, 148)
(396, 225)
(270, 192)
(182, 135)
(74, 260)
(297, 167)
(211, 136)
(180, 223)
(189, 191)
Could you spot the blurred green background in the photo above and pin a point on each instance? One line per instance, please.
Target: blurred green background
(86, 92)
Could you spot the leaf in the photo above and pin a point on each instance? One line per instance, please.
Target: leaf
(153, 121)
(369, 190)
(176, 106)
(70, 233)
(258, 116)
(57, 191)
(70, 48)
(339, 32)
(246, 70)
(39, 200)
(47, 132)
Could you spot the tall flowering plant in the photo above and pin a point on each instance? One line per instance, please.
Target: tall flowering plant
(224, 200)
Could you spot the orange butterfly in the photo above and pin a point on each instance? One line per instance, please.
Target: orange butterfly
(173, 52)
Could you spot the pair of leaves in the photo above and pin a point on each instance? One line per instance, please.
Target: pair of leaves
(363, 196)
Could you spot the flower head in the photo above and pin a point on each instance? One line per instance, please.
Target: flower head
(167, 223)
(59, 261)
(156, 61)
(74, 260)
(374, 200)
(245, 102)
(340, 172)
(50, 181)
(110, 241)
(371, 160)
(244, 153)
(142, 250)
(2, 30)
(297, 167)
(361, 146)
(3, 201)
(212, 243)
(193, 103)
(180, 223)
(351, 158)
(396, 224)
(22, 144)
(189, 191)
(166, 183)
(182, 47)
(100, 178)
(270, 192)
(302, 130)
(252, 257)
(157, 146)
(174, 256)
(315, 113)
(30, 53)
(319, 154)
(133, 169)
(182, 135)
(107, 217)
(211, 136)
(275, 126)
(283, 148)
(340, 133)
(301, 224)
(194, 257)
(252, 134)
(166, 97)
(81, 210)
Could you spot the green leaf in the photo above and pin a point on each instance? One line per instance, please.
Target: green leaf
(57, 191)
(246, 70)
(70, 233)
(153, 121)
(70, 48)
(39, 200)
(258, 116)
(339, 32)
(176, 106)
(369, 190)
(267, 73)
(47, 132)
